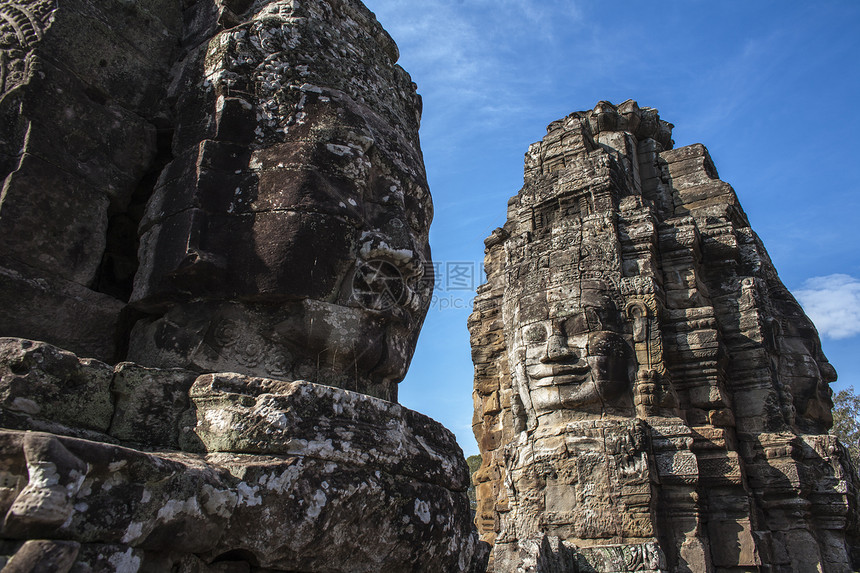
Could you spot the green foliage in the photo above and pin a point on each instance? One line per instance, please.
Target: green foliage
(846, 422)
(474, 462)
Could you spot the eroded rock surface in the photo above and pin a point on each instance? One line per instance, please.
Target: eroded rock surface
(213, 271)
(648, 395)
(269, 475)
(80, 86)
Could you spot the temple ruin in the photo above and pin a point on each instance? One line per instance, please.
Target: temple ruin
(214, 267)
(648, 395)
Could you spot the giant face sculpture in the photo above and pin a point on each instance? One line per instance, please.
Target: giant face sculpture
(801, 365)
(574, 366)
(571, 368)
(292, 241)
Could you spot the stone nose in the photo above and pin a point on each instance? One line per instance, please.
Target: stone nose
(557, 349)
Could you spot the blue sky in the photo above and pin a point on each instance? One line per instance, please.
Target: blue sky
(771, 88)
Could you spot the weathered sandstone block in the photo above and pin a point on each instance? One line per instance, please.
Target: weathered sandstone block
(81, 86)
(350, 482)
(42, 381)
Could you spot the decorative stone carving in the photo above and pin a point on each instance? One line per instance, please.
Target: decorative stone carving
(224, 204)
(22, 25)
(643, 380)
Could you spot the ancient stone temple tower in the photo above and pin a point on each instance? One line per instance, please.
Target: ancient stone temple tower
(649, 396)
(213, 242)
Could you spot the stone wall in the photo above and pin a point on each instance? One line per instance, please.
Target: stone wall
(645, 386)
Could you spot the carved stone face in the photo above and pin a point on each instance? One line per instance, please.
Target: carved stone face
(569, 367)
(365, 325)
(315, 265)
(807, 372)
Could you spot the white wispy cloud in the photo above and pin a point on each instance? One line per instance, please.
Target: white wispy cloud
(833, 304)
(467, 60)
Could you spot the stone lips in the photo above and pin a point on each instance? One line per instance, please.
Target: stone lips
(300, 418)
(700, 428)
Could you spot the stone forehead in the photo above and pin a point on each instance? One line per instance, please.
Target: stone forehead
(290, 48)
